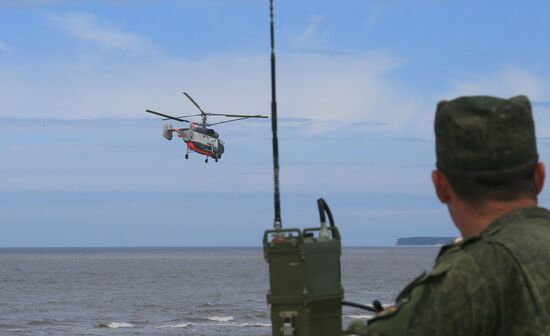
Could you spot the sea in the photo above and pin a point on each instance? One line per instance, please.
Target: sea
(172, 291)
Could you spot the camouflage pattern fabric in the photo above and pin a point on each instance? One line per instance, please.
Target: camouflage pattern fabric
(479, 134)
(497, 283)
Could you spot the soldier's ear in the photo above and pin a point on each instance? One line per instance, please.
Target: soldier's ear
(540, 174)
(441, 185)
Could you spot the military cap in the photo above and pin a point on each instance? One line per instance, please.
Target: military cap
(478, 134)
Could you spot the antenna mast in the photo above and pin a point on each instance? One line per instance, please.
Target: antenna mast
(277, 221)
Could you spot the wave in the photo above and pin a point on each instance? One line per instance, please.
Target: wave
(115, 325)
(220, 318)
(256, 324)
(236, 324)
(219, 324)
(8, 326)
(178, 325)
(218, 321)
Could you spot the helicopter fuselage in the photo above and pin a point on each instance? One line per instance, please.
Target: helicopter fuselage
(202, 140)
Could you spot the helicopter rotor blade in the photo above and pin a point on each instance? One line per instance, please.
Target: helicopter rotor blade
(166, 116)
(185, 116)
(194, 102)
(237, 115)
(226, 121)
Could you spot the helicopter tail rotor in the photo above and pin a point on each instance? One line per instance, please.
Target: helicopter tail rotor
(168, 131)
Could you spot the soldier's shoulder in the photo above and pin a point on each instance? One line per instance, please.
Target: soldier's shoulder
(395, 320)
(455, 273)
(517, 223)
(453, 254)
(465, 256)
(517, 231)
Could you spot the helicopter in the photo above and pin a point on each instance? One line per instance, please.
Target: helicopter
(199, 137)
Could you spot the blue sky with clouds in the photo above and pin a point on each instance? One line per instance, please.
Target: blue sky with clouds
(358, 81)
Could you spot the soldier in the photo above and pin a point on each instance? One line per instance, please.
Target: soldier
(496, 279)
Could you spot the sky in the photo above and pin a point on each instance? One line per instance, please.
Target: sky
(82, 164)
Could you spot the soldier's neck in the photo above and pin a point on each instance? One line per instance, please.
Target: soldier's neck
(472, 220)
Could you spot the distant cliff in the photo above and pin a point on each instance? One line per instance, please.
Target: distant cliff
(425, 240)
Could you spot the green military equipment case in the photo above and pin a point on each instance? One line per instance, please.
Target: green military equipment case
(305, 293)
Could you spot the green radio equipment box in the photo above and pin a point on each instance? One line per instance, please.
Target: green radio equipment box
(306, 293)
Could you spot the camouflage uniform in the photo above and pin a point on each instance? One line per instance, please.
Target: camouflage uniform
(497, 283)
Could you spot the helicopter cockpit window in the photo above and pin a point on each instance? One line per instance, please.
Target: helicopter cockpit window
(212, 133)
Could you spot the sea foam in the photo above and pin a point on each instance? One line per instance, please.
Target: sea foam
(115, 325)
(221, 318)
(255, 324)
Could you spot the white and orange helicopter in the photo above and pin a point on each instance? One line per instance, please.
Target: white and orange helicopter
(199, 137)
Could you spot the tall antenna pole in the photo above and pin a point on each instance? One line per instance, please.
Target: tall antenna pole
(277, 221)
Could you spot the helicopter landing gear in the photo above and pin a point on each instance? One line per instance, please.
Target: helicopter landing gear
(186, 156)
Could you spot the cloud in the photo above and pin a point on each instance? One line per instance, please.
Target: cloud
(506, 83)
(86, 27)
(312, 37)
(326, 93)
(320, 88)
(350, 89)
